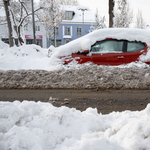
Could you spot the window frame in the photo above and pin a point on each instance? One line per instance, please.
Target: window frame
(26, 28)
(68, 15)
(57, 31)
(78, 32)
(68, 27)
(67, 41)
(122, 51)
(126, 45)
(58, 42)
(37, 28)
(124, 48)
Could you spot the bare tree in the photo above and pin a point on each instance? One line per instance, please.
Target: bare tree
(111, 14)
(9, 23)
(139, 20)
(100, 21)
(51, 15)
(21, 15)
(68, 2)
(123, 15)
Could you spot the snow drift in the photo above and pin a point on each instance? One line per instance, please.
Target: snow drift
(41, 126)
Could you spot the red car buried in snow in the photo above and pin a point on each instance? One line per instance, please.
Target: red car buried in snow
(110, 52)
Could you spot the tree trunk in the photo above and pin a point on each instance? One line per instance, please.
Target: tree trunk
(19, 37)
(7, 5)
(111, 14)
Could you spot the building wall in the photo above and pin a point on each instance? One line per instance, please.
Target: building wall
(74, 35)
(40, 35)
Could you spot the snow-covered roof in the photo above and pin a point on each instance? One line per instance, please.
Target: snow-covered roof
(85, 42)
(89, 16)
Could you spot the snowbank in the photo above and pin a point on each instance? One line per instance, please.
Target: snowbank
(23, 57)
(41, 126)
(132, 76)
(3, 45)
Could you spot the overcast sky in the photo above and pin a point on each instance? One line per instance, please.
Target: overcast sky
(102, 5)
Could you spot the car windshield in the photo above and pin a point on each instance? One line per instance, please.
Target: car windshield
(107, 46)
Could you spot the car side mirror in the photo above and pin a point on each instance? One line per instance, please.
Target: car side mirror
(86, 51)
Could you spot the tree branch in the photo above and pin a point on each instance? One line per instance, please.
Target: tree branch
(28, 15)
(23, 7)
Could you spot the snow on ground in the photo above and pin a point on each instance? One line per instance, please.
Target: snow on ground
(28, 66)
(41, 126)
(23, 57)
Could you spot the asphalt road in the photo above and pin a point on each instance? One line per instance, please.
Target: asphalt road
(105, 101)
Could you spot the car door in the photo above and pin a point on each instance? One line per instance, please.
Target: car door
(133, 51)
(108, 52)
(82, 57)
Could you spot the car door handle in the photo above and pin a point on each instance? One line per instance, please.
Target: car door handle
(120, 57)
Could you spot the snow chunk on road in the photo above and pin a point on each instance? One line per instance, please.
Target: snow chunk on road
(41, 126)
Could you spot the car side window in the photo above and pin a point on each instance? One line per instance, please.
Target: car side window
(135, 46)
(110, 46)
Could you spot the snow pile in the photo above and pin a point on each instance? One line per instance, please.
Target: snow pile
(41, 126)
(25, 50)
(136, 76)
(145, 58)
(23, 57)
(3, 46)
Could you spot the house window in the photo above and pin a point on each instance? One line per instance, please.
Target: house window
(26, 28)
(58, 42)
(69, 15)
(67, 31)
(56, 31)
(67, 41)
(79, 33)
(37, 28)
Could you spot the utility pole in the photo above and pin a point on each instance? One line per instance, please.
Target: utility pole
(83, 9)
(34, 38)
